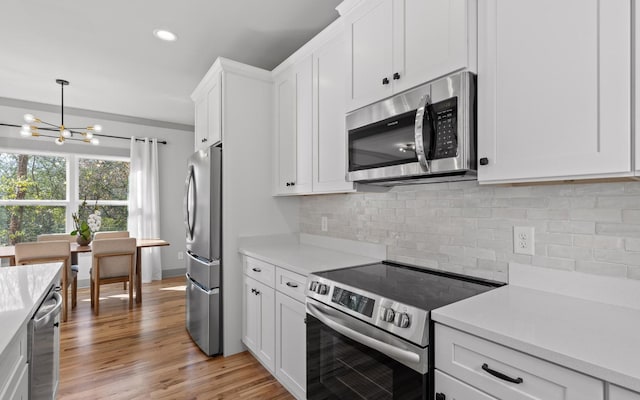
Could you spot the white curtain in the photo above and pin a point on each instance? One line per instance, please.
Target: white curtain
(144, 200)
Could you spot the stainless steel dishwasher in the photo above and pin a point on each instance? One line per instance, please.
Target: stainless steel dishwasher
(44, 347)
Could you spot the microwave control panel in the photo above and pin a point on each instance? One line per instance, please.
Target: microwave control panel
(445, 124)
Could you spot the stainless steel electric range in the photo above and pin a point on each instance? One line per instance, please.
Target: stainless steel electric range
(369, 333)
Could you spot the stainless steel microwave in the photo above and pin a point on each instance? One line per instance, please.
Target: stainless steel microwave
(426, 134)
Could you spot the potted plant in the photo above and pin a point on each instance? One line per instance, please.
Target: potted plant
(84, 230)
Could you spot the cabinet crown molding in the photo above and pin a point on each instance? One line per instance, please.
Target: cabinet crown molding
(346, 6)
(328, 33)
(226, 65)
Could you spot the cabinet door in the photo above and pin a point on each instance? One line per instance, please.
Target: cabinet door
(553, 103)
(431, 39)
(618, 393)
(285, 143)
(291, 344)
(304, 125)
(21, 390)
(267, 320)
(370, 45)
(258, 329)
(250, 318)
(329, 134)
(200, 122)
(214, 112)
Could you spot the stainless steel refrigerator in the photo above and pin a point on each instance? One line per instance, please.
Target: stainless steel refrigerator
(203, 220)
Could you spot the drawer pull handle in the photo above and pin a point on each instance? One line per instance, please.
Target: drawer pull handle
(291, 284)
(502, 376)
(256, 269)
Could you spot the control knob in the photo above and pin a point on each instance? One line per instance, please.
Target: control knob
(322, 289)
(402, 320)
(313, 286)
(387, 314)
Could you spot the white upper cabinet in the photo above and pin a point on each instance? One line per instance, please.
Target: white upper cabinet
(208, 114)
(395, 45)
(371, 47)
(310, 133)
(431, 39)
(293, 91)
(554, 94)
(618, 393)
(329, 130)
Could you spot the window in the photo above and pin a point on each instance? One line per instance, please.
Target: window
(39, 192)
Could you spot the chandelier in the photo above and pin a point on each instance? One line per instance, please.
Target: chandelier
(31, 128)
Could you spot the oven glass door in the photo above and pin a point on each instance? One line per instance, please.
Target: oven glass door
(341, 368)
(384, 143)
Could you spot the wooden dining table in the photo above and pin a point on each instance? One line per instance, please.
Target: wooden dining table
(10, 253)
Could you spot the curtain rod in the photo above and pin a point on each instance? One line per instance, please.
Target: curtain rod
(94, 134)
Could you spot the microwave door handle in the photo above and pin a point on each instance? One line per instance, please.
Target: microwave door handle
(425, 101)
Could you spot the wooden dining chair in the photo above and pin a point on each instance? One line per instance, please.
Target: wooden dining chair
(48, 237)
(110, 235)
(45, 252)
(113, 261)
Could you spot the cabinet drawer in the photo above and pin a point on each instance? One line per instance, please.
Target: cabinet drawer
(448, 388)
(260, 271)
(291, 284)
(473, 360)
(13, 358)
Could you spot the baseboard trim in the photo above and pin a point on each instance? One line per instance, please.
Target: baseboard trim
(172, 273)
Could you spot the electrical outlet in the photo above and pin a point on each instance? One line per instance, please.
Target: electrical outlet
(324, 223)
(523, 240)
(180, 255)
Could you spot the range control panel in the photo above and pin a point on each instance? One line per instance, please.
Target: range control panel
(405, 321)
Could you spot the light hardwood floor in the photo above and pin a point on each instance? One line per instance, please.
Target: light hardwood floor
(146, 353)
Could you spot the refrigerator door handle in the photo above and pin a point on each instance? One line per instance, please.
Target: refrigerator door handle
(189, 202)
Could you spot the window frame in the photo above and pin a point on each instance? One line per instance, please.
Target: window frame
(72, 190)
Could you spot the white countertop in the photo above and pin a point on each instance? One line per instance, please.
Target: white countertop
(595, 338)
(301, 256)
(22, 289)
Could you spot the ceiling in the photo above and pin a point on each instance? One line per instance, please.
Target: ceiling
(114, 64)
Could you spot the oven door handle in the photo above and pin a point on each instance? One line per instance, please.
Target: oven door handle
(41, 320)
(382, 347)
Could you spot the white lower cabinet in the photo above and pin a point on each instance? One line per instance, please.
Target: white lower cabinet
(21, 389)
(505, 373)
(258, 328)
(14, 370)
(618, 393)
(291, 346)
(273, 326)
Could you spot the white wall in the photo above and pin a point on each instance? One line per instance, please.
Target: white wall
(172, 162)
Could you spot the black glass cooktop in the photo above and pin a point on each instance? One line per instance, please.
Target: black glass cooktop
(419, 287)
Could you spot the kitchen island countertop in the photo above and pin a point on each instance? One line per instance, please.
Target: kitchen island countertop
(22, 289)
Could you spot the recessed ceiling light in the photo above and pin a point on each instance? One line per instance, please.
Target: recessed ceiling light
(164, 34)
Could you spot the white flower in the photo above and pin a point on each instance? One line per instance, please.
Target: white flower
(97, 213)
